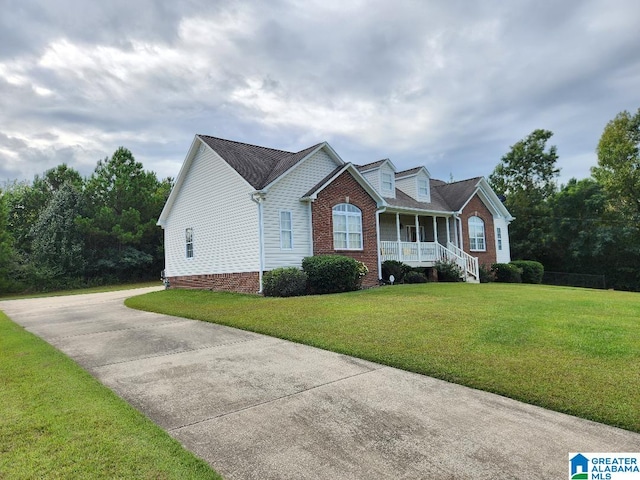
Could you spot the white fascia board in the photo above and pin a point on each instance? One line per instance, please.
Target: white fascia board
(323, 146)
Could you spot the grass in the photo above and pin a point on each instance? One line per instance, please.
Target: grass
(81, 291)
(56, 421)
(571, 350)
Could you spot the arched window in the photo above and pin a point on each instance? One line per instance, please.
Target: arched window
(347, 227)
(476, 234)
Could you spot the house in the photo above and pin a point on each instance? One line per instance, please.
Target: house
(238, 210)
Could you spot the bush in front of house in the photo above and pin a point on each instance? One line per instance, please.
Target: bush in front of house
(415, 277)
(532, 271)
(486, 274)
(333, 273)
(284, 282)
(448, 271)
(395, 268)
(507, 273)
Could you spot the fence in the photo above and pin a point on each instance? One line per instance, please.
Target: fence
(574, 280)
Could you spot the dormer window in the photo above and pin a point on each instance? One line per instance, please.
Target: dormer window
(387, 183)
(423, 189)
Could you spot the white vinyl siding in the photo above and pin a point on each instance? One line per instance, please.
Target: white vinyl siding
(216, 203)
(347, 227)
(286, 230)
(502, 255)
(416, 186)
(285, 194)
(476, 235)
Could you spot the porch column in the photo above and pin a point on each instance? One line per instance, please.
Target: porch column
(461, 238)
(435, 229)
(398, 236)
(448, 232)
(455, 231)
(418, 237)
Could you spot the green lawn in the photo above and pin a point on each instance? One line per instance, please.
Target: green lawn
(56, 421)
(567, 349)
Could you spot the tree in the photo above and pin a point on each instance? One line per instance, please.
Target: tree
(123, 204)
(8, 256)
(57, 249)
(526, 176)
(27, 201)
(618, 169)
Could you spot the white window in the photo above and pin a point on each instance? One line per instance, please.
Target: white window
(347, 227)
(499, 235)
(476, 234)
(286, 230)
(423, 188)
(387, 183)
(189, 241)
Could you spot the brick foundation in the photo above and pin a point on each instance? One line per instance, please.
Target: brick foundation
(476, 207)
(346, 189)
(226, 282)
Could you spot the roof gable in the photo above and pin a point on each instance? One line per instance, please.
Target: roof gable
(259, 166)
(348, 167)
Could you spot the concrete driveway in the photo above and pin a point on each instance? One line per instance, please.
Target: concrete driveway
(256, 407)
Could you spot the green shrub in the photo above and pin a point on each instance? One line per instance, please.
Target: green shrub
(486, 274)
(507, 273)
(395, 268)
(284, 282)
(532, 272)
(415, 277)
(333, 273)
(448, 271)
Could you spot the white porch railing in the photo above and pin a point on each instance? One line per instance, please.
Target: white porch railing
(471, 263)
(429, 253)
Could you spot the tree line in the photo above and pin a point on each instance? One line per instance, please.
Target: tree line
(65, 231)
(588, 226)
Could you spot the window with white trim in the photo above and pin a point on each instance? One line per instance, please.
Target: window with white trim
(423, 188)
(499, 236)
(347, 227)
(387, 182)
(188, 233)
(476, 234)
(286, 230)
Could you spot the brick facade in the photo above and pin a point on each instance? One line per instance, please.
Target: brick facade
(345, 189)
(477, 208)
(227, 282)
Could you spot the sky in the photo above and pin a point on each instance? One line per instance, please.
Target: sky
(450, 85)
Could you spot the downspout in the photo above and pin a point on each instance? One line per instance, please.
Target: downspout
(379, 255)
(258, 198)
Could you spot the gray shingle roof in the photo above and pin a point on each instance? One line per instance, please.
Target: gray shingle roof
(411, 171)
(456, 194)
(257, 165)
(370, 166)
(402, 200)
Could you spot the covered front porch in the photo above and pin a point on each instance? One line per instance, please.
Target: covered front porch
(421, 240)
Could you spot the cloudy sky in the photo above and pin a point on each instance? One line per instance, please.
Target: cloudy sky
(447, 84)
